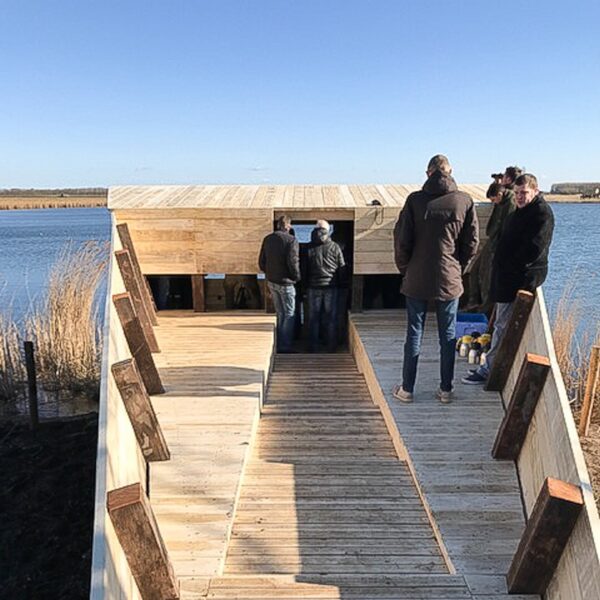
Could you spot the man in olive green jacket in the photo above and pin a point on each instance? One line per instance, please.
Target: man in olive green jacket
(480, 277)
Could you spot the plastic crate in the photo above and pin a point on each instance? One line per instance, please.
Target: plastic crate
(467, 323)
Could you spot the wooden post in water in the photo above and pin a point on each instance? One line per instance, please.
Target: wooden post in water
(591, 387)
(34, 419)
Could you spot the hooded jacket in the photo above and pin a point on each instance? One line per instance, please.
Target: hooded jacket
(278, 258)
(324, 260)
(435, 238)
(521, 258)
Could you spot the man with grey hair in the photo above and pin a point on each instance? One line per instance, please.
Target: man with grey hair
(435, 238)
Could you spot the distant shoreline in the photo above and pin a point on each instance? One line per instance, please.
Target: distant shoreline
(51, 201)
(37, 201)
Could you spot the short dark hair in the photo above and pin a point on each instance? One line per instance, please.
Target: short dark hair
(494, 190)
(439, 162)
(527, 179)
(513, 172)
(283, 223)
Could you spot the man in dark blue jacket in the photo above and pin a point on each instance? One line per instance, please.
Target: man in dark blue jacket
(279, 260)
(520, 261)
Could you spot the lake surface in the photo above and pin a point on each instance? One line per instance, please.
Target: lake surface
(31, 239)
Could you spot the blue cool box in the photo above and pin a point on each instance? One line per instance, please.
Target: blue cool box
(467, 323)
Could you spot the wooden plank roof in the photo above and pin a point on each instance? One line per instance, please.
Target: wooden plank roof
(267, 196)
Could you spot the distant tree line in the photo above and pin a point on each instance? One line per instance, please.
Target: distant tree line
(16, 192)
(588, 189)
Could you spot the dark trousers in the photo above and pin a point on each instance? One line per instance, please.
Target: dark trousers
(322, 307)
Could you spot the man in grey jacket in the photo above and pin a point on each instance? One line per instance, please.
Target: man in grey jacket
(435, 238)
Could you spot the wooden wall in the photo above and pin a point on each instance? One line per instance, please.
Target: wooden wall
(119, 461)
(197, 241)
(552, 449)
(374, 237)
(211, 240)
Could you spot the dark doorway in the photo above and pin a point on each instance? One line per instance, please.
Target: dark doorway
(382, 291)
(171, 292)
(342, 232)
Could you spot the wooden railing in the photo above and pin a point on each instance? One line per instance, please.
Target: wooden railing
(125, 443)
(540, 434)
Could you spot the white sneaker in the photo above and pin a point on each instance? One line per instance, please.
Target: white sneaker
(444, 397)
(401, 394)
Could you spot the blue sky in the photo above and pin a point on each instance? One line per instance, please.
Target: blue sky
(314, 91)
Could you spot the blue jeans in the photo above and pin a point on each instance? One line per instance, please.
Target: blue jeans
(322, 307)
(284, 300)
(503, 314)
(446, 320)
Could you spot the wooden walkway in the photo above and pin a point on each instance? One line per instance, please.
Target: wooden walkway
(327, 510)
(475, 500)
(213, 368)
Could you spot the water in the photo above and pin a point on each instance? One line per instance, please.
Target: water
(30, 240)
(29, 243)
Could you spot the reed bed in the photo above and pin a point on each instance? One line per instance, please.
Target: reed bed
(64, 326)
(12, 369)
(573, 349)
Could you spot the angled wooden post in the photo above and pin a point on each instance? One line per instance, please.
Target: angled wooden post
(551, 522)
(505, 355)
(140, 410)
(127, 243)
(591, 387)
(198, 293)
(138, 346)
(139, 536)
(528, 389)
(134, 287)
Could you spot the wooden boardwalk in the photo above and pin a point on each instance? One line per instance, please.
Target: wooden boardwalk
(212, 367)
(327, 509)
(475, 500)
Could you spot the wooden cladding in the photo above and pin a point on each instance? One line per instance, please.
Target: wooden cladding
(196, 241)
(507, 350)
(139, 408)
(374, 240)
(138, 345)
(528, 389)
(139, 536)
(552, 520)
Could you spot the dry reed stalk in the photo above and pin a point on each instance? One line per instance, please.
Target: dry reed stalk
(64, 326)
(569, 347)
(12, 371)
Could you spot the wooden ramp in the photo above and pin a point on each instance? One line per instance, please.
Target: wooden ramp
(326, 509)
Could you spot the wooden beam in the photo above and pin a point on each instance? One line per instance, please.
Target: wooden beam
(138, 346)
(522, 306)
(134, 287)
(358, 282)
(198, 293)
(127, 243)
(140, 410)
(552, 520)
(139, 536)
(591, 387)
(525, 396)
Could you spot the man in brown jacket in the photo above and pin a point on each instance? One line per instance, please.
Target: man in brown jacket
(435, 238)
